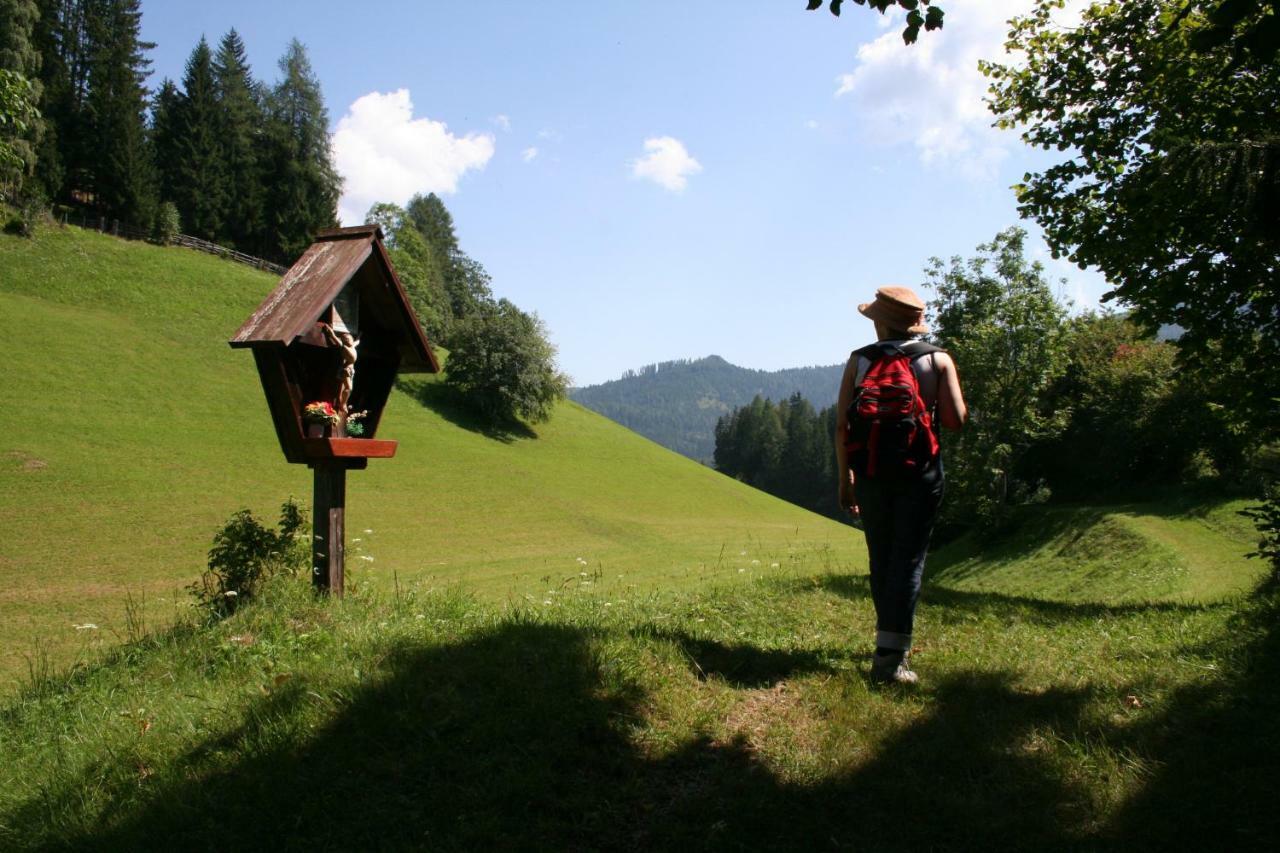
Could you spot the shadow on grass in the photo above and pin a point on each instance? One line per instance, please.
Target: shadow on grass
(1038, 610)
(1023, 532)
(745, 666)
(446, 402)
(1220, 749)
(520, 738)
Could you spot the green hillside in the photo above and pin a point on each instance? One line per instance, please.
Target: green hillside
(132, 432)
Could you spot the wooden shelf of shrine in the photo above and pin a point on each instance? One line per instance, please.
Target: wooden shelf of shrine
(348, 448)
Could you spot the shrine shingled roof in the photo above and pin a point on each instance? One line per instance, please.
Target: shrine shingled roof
(310, 286)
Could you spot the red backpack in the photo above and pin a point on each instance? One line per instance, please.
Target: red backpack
(890, 431)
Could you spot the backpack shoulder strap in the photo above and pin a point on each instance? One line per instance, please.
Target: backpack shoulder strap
(915, 349)
(911, 349)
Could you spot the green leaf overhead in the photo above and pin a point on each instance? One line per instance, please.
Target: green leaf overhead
(1168, 112)
(930, 20)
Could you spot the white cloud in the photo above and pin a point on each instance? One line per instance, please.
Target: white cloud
(385, 154)
(930, 94)
(503, 123)
(811, 124)
(548, 133)
(667, 163)
(889, 17)
(529, 154)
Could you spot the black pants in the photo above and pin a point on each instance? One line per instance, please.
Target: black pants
(898, 517)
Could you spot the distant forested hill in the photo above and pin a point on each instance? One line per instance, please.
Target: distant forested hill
(676, 403)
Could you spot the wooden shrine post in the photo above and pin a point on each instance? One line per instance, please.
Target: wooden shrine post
(328, 343)
(328, 526)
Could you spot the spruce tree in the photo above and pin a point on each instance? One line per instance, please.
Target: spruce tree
(200, 191)
(62, 37)
(122, 180)
(303, 187)
(17, 28)
(18, 53)
(416, 266)
(434, 222)
(463, 279)
(241, 119)
(164, 139)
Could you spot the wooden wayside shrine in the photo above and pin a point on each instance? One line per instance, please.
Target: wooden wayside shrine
(328, 343)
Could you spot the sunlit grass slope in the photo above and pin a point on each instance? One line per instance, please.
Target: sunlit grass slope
(131, 431)
(1179, 548)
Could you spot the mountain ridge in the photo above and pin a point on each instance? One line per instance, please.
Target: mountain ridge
(677, 403)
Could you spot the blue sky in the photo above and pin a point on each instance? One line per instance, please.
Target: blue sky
(662, 180)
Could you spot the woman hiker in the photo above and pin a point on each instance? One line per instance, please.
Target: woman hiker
(893, 396)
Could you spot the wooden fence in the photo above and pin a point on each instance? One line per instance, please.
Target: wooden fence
(223, 252)
(129, 232)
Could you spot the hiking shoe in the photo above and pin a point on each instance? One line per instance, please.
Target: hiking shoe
(892, 669)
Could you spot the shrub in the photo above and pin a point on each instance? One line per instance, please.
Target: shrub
(1266, 518)
(503, 365)
(245, 554)
(167, 223)
(1139, 417)
(23, 221)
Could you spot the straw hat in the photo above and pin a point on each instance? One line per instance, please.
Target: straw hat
(898, 308)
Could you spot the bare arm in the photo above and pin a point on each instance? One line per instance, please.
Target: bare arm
(843, 472)
(952, 412)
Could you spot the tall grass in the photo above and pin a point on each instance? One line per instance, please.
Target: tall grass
(723, 718)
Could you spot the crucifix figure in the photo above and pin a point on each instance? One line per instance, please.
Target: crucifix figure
(347, 344)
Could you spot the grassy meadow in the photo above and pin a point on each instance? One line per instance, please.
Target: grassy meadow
(731, 716)
(568, 640)
(134, 431)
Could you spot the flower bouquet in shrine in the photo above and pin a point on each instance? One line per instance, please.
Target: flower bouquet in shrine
(320, 413)
(355, 424)
(320, 419)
